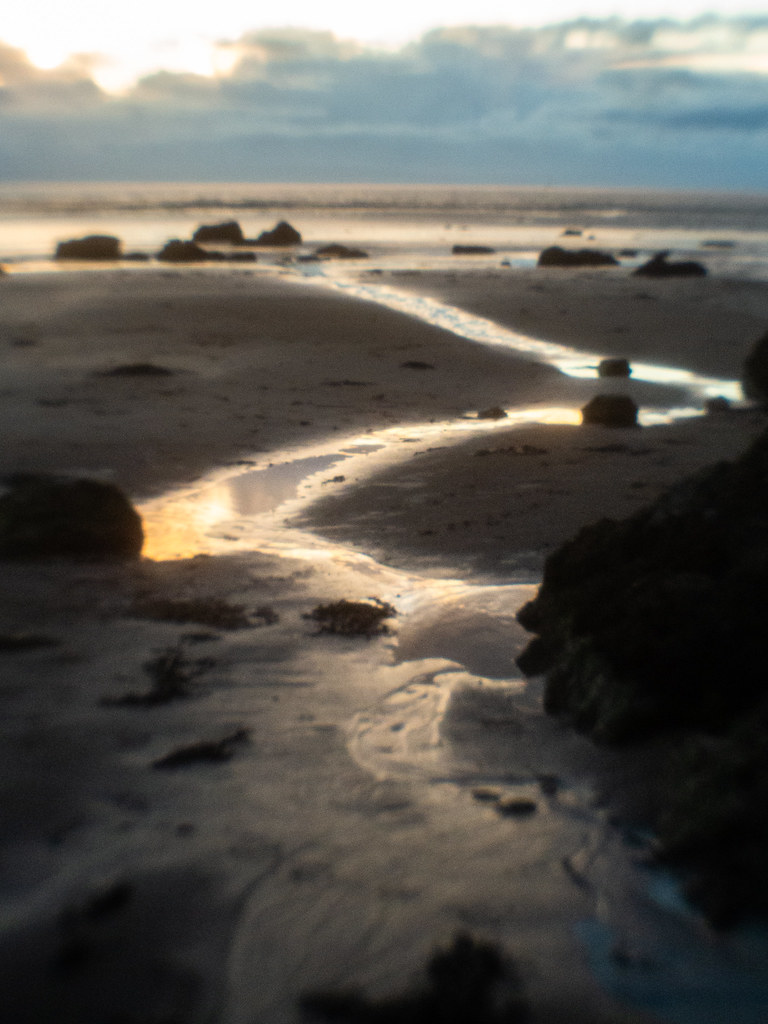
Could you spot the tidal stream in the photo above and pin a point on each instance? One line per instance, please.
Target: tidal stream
(456, 716)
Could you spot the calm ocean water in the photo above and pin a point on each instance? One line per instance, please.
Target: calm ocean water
(417, 223)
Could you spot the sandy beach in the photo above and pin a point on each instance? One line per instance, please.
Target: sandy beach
(345, 834)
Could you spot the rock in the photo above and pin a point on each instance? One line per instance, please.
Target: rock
(471, 250)
(339, 252)
(556, 256)
(176, 251)
(229, 233)
(654, 626)
(754, 376)
(614, 368)
(281, 234)
(92, 247)
(494, 413)
(610, 411)
(717, 405)
(574, 232)
(44, 516)
(660, 266)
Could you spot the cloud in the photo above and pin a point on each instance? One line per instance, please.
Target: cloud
(583, 102)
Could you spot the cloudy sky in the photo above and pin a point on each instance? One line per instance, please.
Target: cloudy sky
(625, 92)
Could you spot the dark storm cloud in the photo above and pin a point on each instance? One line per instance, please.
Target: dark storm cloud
(583, 102)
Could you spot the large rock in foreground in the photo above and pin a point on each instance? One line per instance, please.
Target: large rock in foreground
(42, 516)
(658, 621)
(655, 627)
(92, 247)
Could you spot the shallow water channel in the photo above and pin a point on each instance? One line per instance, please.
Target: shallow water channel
(450, 730)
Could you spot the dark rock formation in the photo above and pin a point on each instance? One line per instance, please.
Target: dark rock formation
(495, 412)
(92, 247)
(614, 368)
(655, 626)
(43, 516)
(230, 233)
(335, 251)
(281, 234)
(176, 251)
(755, 372)
(660, 266)
(556, 256)
(610, 411)
(472, 250)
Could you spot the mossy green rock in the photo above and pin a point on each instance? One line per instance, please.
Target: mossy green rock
(42, 516)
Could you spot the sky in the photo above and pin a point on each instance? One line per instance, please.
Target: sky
(626, 92)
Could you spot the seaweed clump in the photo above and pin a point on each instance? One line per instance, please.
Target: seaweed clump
(353, 618)
(468, 983)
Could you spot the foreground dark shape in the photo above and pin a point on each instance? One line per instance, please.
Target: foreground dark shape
(463, 987)
(655, 627)
(660, 266)
(610, 411)
(92, 247)
(42, 516)
(556, 256)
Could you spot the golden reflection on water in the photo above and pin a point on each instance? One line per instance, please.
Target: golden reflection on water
(225, 512)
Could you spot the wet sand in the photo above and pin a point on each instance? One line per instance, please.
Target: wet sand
(344, 837)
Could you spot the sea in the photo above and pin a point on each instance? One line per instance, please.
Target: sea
(413, 226)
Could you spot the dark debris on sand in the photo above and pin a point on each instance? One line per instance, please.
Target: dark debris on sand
(468, 983)
(353, 618)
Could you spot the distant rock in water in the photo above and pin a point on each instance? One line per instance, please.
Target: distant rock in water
(176, 251)
(281, 234)
(45, 516)
(229, 233)
(335, 251)
(660, 266)
(755, 372)
(655, 626)
(610, 411)
(472, 250)
(614, 368)
(556, 256)
(495, 412)
(91, 247)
